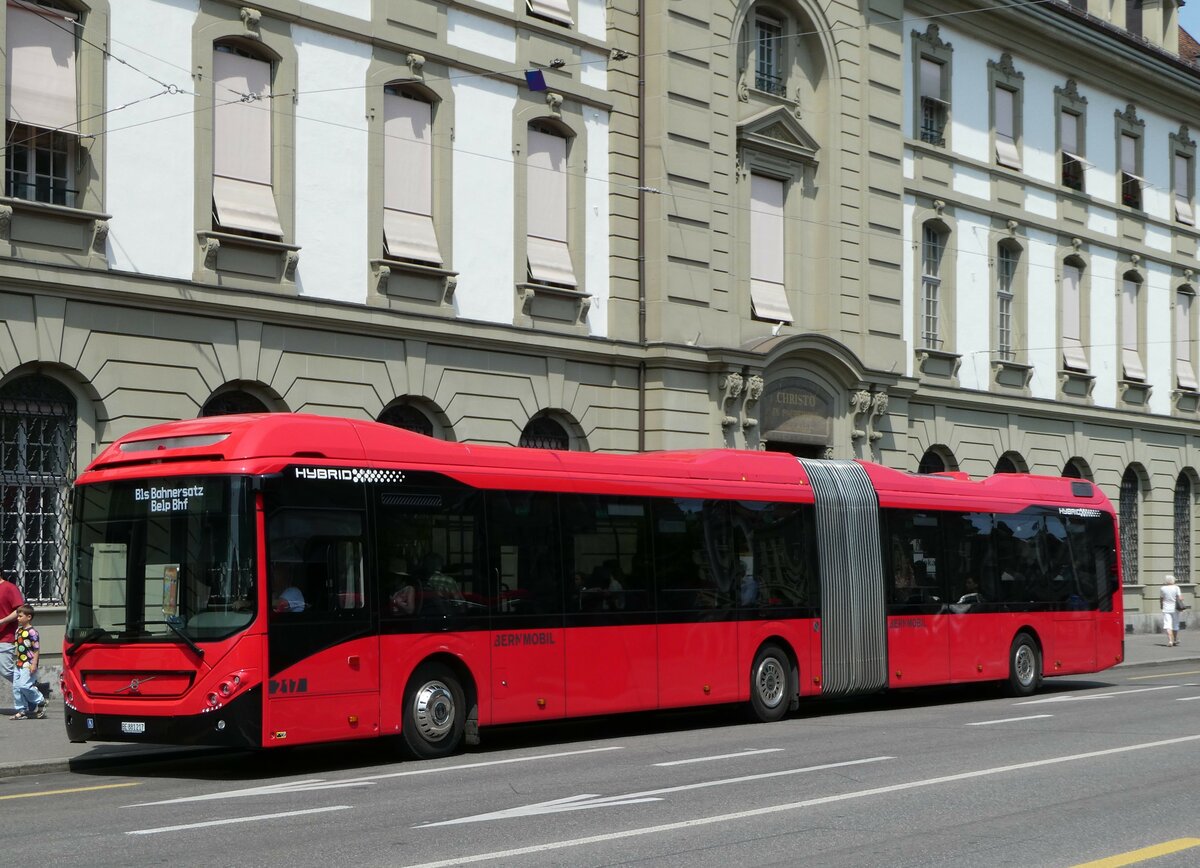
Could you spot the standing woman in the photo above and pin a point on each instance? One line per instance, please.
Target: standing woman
(1170, 596)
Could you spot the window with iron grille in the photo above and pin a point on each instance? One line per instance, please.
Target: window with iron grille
(1128, 514)
(231, 403)
(1006, 269)
(931, 462)
(407, 417)
(542, 432)
(768, 55)
(933, 246)
(37, 464)
(39, 165)
(1183, 529)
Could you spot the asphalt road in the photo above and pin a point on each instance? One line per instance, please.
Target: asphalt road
(1090, 768)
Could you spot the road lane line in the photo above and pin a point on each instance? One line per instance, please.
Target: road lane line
(704, 759)
(322, 784)
(1009, 720)
(1186, 698)
(1145, 854)
(1163, 675)
(233, 820)
(65, 792)
(1086, 696)
(794, 806)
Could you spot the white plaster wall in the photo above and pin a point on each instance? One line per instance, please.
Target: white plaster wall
(907, 276)
(1041, 202)
(1158, 238)
(1102, 220)
(481, 35)
(1099, 176)
(1103, 345)
(331, 166)
(1043, 346)
(908, 164)
(356, 8)
(973, 182)
(1157, 155)
(596, 225)
(972, 299)
(591, 19)
(484, 199)
(506, 5)
(1160, 345)
(1039, 132)
(593, 69)
(151, 198)
(970, 103)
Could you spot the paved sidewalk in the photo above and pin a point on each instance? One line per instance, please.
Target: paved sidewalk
(40, 746)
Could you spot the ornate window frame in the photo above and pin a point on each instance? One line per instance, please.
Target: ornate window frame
(1068, 99)
(1002, 75)
(930, 46)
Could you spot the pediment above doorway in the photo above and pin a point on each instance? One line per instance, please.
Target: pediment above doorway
(777, 131)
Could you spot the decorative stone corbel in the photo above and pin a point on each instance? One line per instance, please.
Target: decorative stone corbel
(250, 20)
(448, 287)
(382, 276)
(416, 64)
(100, 237)
(743, 89)
(939, 206)
(731, 387)
(211, 246)
(527, 296)
(1012, 226)
(860, 404)
(754, 390)
(1076, 244)
(289, 267)
(585, 304)
(6, 213)
(879, 405)
(554, 100)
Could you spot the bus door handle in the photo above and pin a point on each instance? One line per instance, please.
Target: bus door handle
(353, 662)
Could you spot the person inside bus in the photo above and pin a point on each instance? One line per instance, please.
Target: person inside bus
(438, 582)
(971, 598)
(286, 595)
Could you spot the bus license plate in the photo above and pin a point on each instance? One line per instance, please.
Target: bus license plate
(133, 726)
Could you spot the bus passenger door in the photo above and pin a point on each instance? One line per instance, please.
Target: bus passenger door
(323, 651)
(527, 638)
(918, 619)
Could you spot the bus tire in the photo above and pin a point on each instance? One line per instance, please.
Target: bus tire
(435, 712)
(1024, 666)
(770, 684)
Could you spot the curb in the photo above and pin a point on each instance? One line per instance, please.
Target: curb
(88, 763)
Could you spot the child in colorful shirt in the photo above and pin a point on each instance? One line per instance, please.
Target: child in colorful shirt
(27, 699)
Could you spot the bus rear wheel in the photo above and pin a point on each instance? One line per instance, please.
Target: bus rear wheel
(770, 684)
(1024, 666)
(434, 712)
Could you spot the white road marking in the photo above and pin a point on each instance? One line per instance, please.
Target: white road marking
(1087, 696)
(704, 759)
(1009, 720)
(232, 820)
(1186, 698)
(366, 780)
(793, 806)
(582, 802)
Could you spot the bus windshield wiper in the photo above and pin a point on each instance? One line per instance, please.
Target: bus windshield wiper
(94, 633)
(182, 635)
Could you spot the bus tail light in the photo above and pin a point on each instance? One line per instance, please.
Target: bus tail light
(214, 700)
(226, 688)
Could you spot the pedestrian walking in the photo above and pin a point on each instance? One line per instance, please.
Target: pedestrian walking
(1171, 599)
(10, 600)
(27, 699)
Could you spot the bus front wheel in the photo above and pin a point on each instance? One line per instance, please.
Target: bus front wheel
(434, 712)
(770, 684)
(1024, 666)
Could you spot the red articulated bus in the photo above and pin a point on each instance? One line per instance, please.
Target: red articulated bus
(282, 579)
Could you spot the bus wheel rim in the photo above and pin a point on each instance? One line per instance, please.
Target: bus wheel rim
(1024, 665)
(770, 680)
(433, 711)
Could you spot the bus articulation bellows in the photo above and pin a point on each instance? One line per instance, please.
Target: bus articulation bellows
(281, 579)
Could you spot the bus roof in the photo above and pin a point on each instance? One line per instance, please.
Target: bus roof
(193, 445)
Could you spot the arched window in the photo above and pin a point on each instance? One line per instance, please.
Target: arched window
(232, 403)
(1072, 470)
(1007, 257)
(1009, 463)
(543, 432)
(1183, 528)
(932, 462)
(408, 417)
(37, 451)
(1128, 515)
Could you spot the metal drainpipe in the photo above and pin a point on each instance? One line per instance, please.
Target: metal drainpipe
(641, 223)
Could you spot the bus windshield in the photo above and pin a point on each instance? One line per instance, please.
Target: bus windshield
(164, 559)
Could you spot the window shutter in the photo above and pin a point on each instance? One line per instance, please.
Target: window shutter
(1074, 358)
(768, 294)
(41, 69)
(1183, 185)
(1006, 137)
(931, 79)
(408, 227)
(546, 217)
(1068, 133)
(242, 192)
(555, 10)
(1185, 373)
(1131, 360)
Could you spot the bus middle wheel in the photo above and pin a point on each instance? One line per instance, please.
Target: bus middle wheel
(434, 712)
(771, 687)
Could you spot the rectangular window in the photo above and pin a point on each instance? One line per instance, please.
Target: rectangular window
(934, 108)
(1131, 360)
(43, 104)
(546, 182)
(1006, 270)
(1072, 162)
(1074, 358)
(243, 198)
(558, 11)
(768, 45)
(1183, 190)
(1131, 183)
(768, 293)
(1006, 128)
(408, 179)
(1185, 371)
(932, 249)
